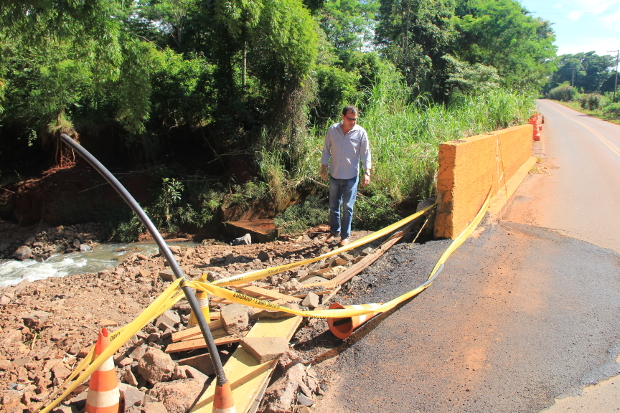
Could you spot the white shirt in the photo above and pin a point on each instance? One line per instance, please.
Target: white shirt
(346, 151)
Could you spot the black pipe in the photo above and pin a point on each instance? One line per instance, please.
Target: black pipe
(163, 247)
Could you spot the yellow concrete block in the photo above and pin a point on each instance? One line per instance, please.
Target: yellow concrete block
(470, 168)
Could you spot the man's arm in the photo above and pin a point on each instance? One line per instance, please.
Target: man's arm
(324, 172)
(366, 159)
(326, 154)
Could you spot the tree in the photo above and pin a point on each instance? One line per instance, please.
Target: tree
(58, 58)
(415, 35)
(349, 25)
(585, 71)
(502, 34)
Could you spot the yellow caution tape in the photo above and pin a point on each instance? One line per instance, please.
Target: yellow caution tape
(257, 275)
(344, 313)
(172, 295)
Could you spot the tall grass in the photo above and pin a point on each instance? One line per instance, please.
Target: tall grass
(405, 136)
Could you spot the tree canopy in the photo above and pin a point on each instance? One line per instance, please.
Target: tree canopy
(238, 76)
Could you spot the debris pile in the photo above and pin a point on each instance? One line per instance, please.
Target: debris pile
(48, 325)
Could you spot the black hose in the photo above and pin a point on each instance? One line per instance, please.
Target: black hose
(163, 247)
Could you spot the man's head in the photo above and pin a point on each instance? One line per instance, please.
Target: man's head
(349, 115)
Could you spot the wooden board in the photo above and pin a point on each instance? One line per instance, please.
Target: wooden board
(265, 294)
(248, 378)
(220, 337)
(192, 332)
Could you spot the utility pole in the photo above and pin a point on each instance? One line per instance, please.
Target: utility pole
(616, 84)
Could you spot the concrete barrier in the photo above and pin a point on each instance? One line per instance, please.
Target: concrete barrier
(469, 168)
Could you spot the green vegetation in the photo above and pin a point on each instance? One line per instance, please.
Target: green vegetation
(232, 99)
(586, 82)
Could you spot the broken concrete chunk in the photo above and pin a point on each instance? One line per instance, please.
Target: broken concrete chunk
(166, 275)
(178, 396)
(168, 320)
(312, 300)
(131, 395)
(35, 319)
(156, 366)
(264, 349)
(235, 318)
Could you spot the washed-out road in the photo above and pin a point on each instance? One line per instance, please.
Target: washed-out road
(525, 316)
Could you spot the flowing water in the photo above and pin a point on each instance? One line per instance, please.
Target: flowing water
(101, 257)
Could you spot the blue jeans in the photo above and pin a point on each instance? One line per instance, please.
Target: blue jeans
(341, 191)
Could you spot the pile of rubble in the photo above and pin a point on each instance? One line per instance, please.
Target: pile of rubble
(48, 325)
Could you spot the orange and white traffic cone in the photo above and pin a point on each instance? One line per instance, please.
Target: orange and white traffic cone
(203, 301)
(223, 401)
(103, 393)
(343, 327)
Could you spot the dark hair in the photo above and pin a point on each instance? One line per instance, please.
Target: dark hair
(349, 108)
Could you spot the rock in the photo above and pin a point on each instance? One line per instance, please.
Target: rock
(137, 352)
(235, 318)
(60, 372)
(282, 394)
(4, 300)
(156, 366)
(290, 287)
(5, 365)
(304, 400)
(288, 360)
(35, 319)
(263, 256)
(85, 248)
(168, 320)
(175, 250)
(155, 407)
(264, 349)
(244, 240)
(131, 395)
(338, 261)
(188, 372)
(201, 362)
(167, 275)
(128, 377)
(367, 250)
(22, 253)
(178, 396)
(311, 300)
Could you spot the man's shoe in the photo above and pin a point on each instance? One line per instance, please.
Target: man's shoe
(331, 238)
(344, 241)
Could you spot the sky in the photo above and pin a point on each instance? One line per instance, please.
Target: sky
(581, 25)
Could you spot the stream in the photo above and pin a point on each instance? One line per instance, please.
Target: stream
(101, 257)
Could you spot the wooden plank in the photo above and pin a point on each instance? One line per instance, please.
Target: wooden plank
(220, 337)
(263, 293)
(248, 378)
(194, 331)
(355, 269)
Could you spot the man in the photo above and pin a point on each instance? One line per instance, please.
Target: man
(346, 144)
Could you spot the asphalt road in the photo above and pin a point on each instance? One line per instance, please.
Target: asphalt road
(525, 312)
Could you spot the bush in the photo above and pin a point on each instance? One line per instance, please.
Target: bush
(563, 93)
(374, 213)
(299, 217)
(591, 101)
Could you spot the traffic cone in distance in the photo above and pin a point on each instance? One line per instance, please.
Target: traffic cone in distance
(223, 401)
(103, 393)
(203, 301)
(343, 327)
